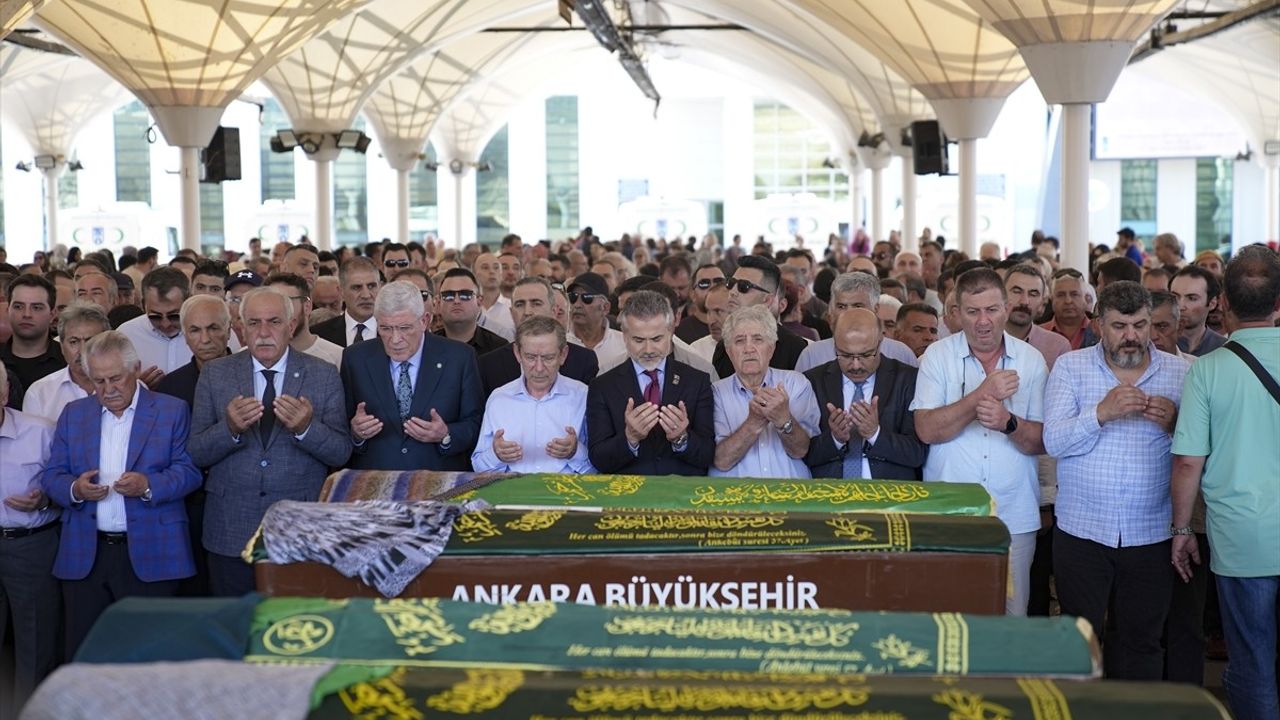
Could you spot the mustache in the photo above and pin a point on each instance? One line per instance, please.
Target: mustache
(1022, 308)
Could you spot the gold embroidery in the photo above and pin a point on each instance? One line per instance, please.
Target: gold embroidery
(513, 618)
(382, 699)
(688, 521)
(767, 630)
(953, 643)
(1047, 701)
(620, 485)
(824, 492)
(298, 635)
(482, 690)
(907, 655)
(535, 520)
(965, 705)
(418, 625)
(851, 529)
(621, 698)
(475, 526)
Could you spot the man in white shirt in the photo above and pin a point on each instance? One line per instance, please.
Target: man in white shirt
(157, 335)
(717, 304)
(495, 313)
(295, 288)
(47, 396)
(589, 311)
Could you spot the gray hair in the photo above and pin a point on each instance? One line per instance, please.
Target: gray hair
(750, 314)
(109, 342)
(540, 325)
(856, 281)
(261, 291)
(82, 312)
(1161, 298)
(535, 280)
(1168, 240)
(644, 305)
(224, 315)
(397, 297)
(1125, 297)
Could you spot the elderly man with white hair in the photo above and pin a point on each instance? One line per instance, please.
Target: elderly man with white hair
(764, 416)
(76, 325)
(856, 289)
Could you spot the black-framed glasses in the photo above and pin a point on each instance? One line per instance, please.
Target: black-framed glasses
(586, 298)
(171, 317)
(426, 295)
(864, 357)
(395, 263)
(459, 295)
(745, 286)
(708, 283)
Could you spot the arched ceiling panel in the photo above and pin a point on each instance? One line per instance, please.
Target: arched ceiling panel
(14, 12)
(188, 53)
(323, 84)
(1032, 22)
(50, 106)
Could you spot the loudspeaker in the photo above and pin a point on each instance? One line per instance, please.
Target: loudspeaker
(929, 147)
(222, 158)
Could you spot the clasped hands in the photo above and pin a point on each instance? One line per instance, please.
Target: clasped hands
(641, 419)
(293, 413)
(561, 448)
(1126, 400)
(433, 430)
(861, 417)
(130, 484)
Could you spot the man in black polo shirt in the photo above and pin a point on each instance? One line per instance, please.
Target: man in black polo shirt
(30, 352)
(757, 281)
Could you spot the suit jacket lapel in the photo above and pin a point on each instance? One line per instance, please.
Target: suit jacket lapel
(92, 447)
(380, 377)
(833, 385)
(144, 417)
(671, 391)
(429, 372)
(884, 380)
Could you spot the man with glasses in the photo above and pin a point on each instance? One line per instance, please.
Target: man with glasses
(757, 281)
(589, 314)
(882, 256)
(414, 399)
(1071, 309)
(210, 278)
(459, 307)
(360, 282)
(695, 324)
(850, 291)
(867, 429)
(295, 288)
(979, 404)
(157, 335)
(533, 297)
(395, 260)
(495, 313)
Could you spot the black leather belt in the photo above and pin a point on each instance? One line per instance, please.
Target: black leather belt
(15, 533)
(113, 538)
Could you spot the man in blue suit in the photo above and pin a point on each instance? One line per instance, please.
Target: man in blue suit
(262, 441)
(414, 398)
(119, 468)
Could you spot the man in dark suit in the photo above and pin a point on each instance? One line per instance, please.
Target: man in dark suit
(119, 468)
(532, 297)
(360, 282)
(414, 399)
(866, 429)
(650, 415)
(268, 424)
(758, 281)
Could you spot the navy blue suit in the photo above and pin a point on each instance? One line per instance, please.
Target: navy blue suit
(448, 382)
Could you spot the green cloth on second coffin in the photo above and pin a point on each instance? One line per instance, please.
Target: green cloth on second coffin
(614, 695)
(549, 636)
(672, 492)
(558, 532)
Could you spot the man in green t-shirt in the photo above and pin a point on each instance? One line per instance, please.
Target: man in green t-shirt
(1225, 445)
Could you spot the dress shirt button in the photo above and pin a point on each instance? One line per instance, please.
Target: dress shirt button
(404, 451)
(264, 463)
(262, 494)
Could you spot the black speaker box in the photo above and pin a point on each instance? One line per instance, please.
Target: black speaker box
(929, 147)
(222, 157)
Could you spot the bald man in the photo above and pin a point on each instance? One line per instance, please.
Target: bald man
(867, 430)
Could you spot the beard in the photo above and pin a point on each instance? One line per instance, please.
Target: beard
(1127, 356)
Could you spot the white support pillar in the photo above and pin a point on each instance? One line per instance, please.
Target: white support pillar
(324, 203)
(855, 197)
(910, 237)
(968, 215)
(458, 225)
(1075, 186)
(51, 204)
(402, 206)
(877, 204)
(1272, 185)
(190, 174)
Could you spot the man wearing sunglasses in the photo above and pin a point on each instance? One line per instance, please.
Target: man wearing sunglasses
(157, 335)
(534, 297)
(460, 308)
(589, 319)
(694, 326)
(757, 281)
(395, 260)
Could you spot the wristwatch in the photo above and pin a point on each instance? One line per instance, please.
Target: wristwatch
(787, 427)
(446, 440)
(1010, 426)
(1181, 530)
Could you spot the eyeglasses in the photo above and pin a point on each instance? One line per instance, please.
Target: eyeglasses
(880, 255)
(744, 286)
(395, 263)
(557, 286)
(426, 294)
(1067, 272)
(708, 283)
(866, 356)
(587, 298)
(171, 317)
(459, 295)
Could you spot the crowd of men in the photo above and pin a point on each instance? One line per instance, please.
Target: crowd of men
(157, 411)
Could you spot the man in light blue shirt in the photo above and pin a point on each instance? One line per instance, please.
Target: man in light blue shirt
(537, 422)
(979, 404)
(1109, 414)
(764, 416)
(849, 291)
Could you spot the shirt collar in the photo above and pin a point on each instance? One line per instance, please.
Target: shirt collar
(352, 323)
(522, 391)
(867, 384)
(1010, 347)
(7, 430)
(278, 367)
(1100, 357)
(766, 382)
(640, 371)
(415, 360)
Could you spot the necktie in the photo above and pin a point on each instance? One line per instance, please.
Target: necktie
(268, 421)
(359, 333)
(404, 391)
(653, 392)
(853, 451)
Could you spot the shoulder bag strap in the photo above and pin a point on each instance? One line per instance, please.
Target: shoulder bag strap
(1263, 376)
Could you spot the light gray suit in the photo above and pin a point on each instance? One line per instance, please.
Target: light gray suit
(245, 478)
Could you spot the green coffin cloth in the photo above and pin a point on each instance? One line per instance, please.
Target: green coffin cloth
(506, 693)
(551, 636)
(672, 492)
(557, 532)
(138, 629)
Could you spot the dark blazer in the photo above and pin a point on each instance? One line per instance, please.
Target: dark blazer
(499, 367)
(159, 548)
(606, 426)
(448, 380)
(898, 454)
(482, 341)
(335, 330)
(785, 353)
(181, 383)
(246, 477)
